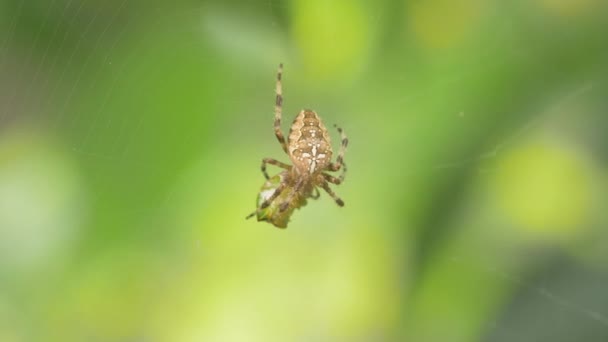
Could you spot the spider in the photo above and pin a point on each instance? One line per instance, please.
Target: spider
(309, 148)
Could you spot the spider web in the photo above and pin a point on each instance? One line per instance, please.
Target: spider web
(65, 65)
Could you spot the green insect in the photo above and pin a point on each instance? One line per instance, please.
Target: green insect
(272, 212)
(309, 149)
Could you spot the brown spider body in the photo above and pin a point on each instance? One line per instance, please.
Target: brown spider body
(309, 144)
(309, 148)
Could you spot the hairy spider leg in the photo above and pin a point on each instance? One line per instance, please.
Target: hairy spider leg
(316, 195)
(283, 206)
(273, 162)
(333, 195)
(278, 107)
(332, 179)
(339, 164)
(343, 173)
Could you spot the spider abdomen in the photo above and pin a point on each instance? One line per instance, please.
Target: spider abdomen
(309, 143)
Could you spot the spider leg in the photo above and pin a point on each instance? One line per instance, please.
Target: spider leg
(331, 193)
(333, 179)
(272, 162)
(278, 107)
(316, 195)
(339, 164)
(343, 173)
(269, 200)
(283, 206)
(336, 167)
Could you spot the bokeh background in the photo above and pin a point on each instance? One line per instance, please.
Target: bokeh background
(131, 136)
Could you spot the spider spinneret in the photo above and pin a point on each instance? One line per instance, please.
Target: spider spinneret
(309, 148)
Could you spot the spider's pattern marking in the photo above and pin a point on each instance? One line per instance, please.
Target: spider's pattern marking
(309, 149)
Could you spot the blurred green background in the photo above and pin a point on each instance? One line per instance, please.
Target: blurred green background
(131, 136)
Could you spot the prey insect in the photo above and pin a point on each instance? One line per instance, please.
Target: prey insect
(309, 149)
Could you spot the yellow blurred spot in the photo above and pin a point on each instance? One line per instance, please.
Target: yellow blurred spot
(40, 200)
(442, 23)
(332, 36)
(545, 189)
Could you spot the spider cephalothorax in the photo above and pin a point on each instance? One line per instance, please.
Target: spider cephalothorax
(309, 148)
